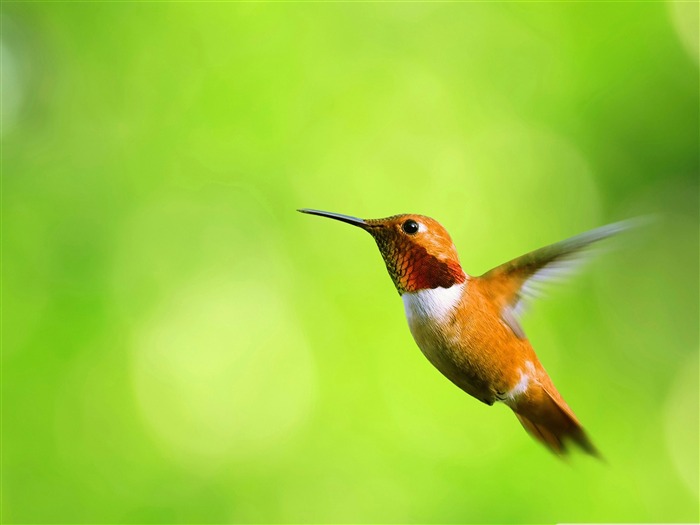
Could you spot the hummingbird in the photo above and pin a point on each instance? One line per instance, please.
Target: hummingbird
(469, 327)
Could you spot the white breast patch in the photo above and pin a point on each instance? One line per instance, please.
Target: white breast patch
(432, 305)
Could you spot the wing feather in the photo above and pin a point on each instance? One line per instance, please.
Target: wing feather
(520, 279)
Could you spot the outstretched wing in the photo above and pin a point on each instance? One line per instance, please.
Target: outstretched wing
(522, 278)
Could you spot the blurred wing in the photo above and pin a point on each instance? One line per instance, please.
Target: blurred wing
(513, 283)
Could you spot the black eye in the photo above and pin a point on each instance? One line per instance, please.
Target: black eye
(410, 226)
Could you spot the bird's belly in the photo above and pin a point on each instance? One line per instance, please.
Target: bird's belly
(452, 361)
(431, 319)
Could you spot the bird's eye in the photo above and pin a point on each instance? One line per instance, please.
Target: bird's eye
(410, 226)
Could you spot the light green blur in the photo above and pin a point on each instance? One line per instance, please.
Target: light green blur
(180, 346)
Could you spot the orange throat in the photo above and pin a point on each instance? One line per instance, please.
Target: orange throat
(412, 268)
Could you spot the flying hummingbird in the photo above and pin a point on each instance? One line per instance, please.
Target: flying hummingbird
(468, 327)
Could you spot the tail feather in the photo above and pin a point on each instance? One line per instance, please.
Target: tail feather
(547, 418)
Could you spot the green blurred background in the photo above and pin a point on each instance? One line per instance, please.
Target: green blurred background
(179, 345)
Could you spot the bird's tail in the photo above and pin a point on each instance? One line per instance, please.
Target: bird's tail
(547, 418)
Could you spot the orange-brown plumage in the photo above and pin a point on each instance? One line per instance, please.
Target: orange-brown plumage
(468, 327)
(491, 348)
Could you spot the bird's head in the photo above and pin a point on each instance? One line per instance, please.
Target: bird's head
(418, 251)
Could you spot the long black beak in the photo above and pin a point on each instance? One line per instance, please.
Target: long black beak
(338, 217)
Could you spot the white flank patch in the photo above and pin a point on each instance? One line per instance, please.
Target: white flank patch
(434, 304)
(522, 385)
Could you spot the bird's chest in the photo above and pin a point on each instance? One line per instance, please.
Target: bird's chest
(437, 328)
(451, 336)
(430, 314)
